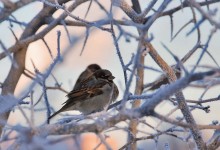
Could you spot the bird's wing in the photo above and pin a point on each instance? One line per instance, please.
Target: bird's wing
(85, 93)
(77, 96)
(82, 77)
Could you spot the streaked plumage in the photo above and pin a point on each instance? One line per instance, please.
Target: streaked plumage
(94, 94)
(85, 74)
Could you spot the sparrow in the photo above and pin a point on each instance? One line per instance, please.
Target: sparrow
(85, 74)
(95, 94)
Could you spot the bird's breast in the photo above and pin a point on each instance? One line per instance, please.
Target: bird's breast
(96, 103)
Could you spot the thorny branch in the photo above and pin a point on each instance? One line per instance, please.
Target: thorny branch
(142, 21)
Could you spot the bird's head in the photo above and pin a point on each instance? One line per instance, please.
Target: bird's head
(94, 67)
(104, 74)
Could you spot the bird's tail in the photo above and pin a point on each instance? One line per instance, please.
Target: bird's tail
(48, 120)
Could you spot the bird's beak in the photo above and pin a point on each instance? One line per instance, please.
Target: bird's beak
(111, 77)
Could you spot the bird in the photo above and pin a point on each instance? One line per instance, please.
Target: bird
(85, 74)
(95, 94)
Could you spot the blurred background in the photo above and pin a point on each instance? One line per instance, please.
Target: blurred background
(100, 49)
